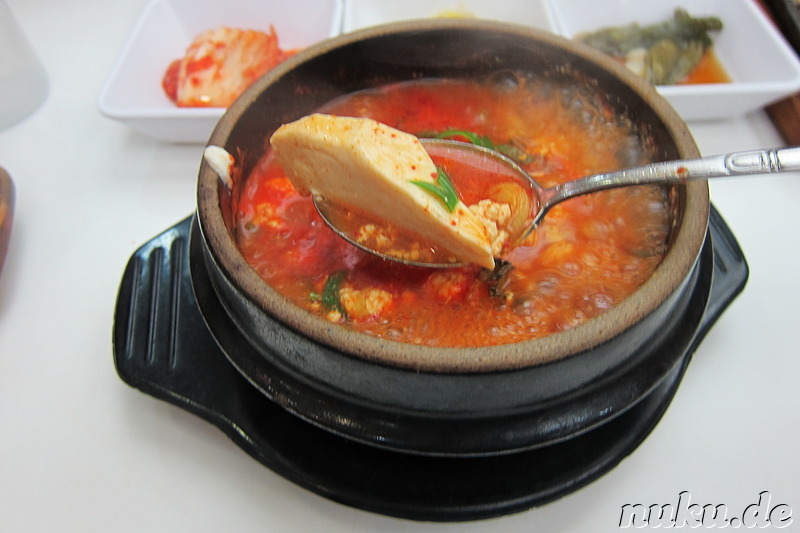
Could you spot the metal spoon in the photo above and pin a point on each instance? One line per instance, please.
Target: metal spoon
(540, 200)
(535, 201)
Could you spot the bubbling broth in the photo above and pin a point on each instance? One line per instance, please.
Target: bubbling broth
(587, 255)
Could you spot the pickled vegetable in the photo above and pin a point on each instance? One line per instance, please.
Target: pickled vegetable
(665, 53)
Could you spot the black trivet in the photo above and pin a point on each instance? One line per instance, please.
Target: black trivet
(163, 347)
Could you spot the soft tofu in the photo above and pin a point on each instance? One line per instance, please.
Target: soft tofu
(367, 165)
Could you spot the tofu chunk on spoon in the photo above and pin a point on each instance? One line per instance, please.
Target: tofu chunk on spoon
(364, 164)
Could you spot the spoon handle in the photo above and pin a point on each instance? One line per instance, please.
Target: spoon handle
(734, 164)
(745, 163)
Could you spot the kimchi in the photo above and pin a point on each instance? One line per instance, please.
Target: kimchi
(220, 64)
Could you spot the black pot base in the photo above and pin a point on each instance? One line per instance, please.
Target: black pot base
(163, 347)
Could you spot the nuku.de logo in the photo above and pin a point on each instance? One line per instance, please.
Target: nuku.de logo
(761, 514)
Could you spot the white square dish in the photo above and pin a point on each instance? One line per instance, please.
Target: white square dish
(364, 13)
(133, 92)
(762, 66)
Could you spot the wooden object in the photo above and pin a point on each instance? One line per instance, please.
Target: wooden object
(6, 213)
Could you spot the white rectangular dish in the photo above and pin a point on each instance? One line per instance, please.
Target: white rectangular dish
(133, 93)
(364, 13)
(762, 66)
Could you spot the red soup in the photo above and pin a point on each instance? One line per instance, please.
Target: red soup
(587, 255)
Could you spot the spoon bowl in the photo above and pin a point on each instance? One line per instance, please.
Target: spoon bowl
(530, 202)
(512, 185)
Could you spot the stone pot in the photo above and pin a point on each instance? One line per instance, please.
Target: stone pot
(448, 401)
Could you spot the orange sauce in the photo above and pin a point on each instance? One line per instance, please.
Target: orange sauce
(709, 70)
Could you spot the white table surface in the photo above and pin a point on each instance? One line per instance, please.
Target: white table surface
(82, 451)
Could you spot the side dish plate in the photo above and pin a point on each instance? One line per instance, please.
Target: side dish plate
(363, 13)
(763, 67)
(133, 93)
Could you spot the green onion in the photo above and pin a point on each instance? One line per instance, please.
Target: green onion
(443, 189)
(473, 137)
(330, 293)
(508, 150)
